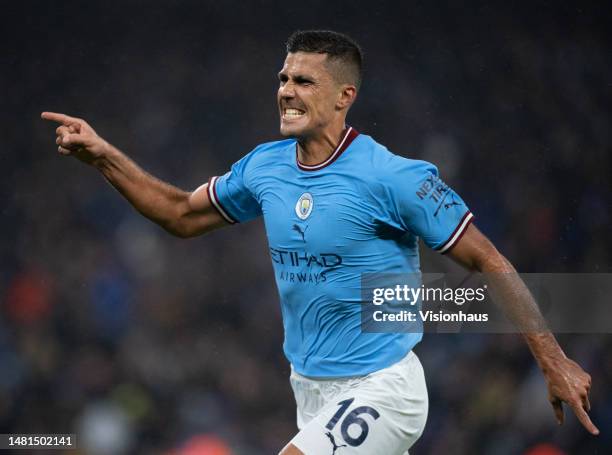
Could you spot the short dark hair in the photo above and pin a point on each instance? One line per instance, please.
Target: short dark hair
(339, 48)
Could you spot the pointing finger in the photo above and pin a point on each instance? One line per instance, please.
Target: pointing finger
(584, 419)
(60, 118)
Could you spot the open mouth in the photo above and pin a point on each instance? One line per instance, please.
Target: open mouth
(291, 113)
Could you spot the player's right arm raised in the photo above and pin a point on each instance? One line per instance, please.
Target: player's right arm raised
(182, 213)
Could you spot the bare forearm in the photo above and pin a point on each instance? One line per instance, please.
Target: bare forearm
(515, 299)
(180, 213)
(509, 291)
(160, 202)
(565, 380)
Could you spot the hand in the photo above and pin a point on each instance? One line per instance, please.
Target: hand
(75, 137)
(569, 383)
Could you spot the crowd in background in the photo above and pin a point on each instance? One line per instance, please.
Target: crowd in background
(141, 343)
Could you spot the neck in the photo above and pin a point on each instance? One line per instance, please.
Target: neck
(316, 149)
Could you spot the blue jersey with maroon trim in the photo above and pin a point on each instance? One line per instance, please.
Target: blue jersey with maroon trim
(360, 211)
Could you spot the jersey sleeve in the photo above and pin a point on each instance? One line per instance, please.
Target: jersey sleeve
(231, 196)
(423, 204)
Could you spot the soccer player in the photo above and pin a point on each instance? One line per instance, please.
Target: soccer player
(336, 205)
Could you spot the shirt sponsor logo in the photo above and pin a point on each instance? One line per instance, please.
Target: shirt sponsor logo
(303, 259)
(303, 277)
(304, 206)
(290, 260)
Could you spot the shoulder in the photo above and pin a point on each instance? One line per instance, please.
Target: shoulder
(269, 150)
(265, 154)
(388, 167)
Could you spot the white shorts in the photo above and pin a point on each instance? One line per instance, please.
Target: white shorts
(381, 413)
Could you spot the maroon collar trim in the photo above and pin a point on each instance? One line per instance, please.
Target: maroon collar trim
(349, 136)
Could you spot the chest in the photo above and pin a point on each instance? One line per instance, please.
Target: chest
(318, 214)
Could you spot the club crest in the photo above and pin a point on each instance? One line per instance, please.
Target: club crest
(304, 206)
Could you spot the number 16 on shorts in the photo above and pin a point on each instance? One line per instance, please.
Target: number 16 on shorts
(343, 428)
(354, 418)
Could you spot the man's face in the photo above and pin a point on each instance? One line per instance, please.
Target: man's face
(307, 95)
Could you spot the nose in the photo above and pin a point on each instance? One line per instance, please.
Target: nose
(287, 90)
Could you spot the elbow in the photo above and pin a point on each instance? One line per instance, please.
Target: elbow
(186, 228)
(178, 228)
(180, 234)
(176, 232)
(184, 233)
(178, 222)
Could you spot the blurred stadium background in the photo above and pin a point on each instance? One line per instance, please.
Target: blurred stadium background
(145, 344)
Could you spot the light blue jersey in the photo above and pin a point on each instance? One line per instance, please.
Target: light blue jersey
(360, 211)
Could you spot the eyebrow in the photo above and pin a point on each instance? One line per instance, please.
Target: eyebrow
(298, 78)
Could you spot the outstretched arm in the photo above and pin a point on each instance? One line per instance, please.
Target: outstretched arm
(566, 380)
(182, 213)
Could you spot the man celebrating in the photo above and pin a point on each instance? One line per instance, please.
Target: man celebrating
(336, 205)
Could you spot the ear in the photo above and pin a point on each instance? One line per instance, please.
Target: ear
(346, 97)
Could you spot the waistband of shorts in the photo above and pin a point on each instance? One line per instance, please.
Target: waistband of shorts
(409, 356)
